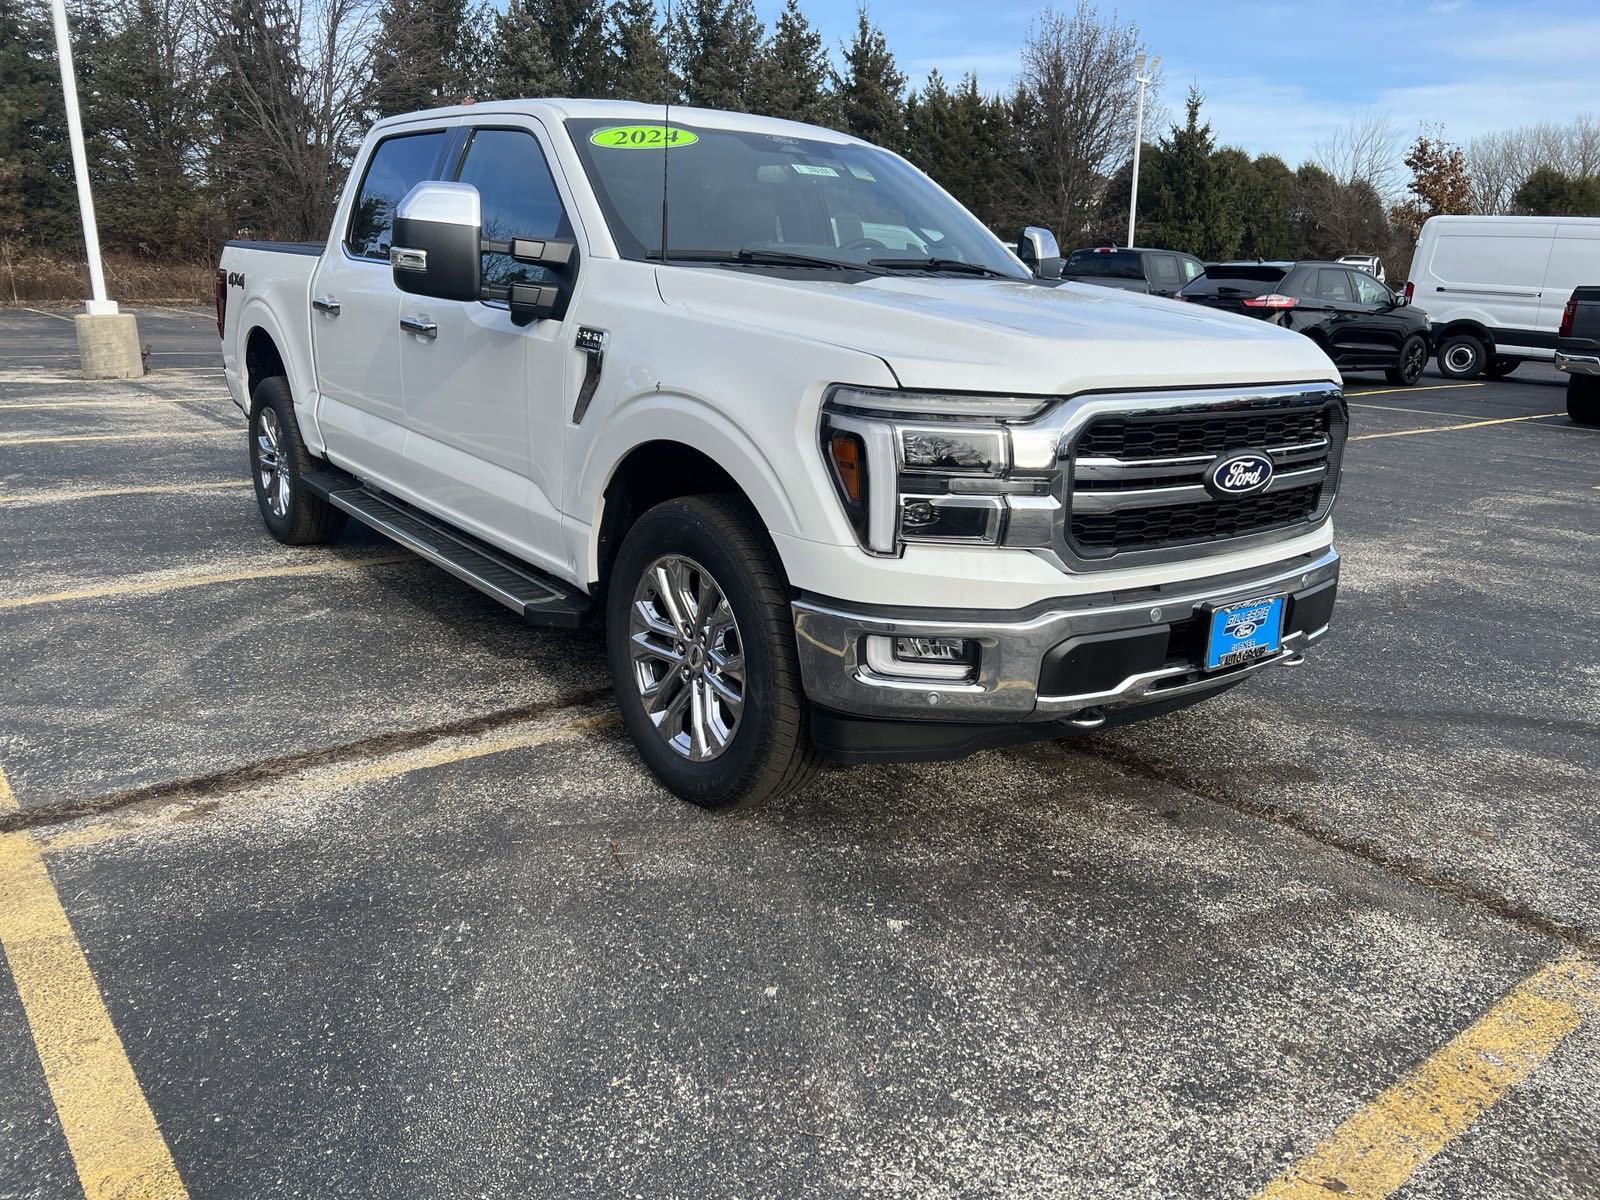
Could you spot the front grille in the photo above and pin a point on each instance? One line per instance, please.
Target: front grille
(1136, 480)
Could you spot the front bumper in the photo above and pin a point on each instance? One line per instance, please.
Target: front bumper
(1078, 662)
(1578, 362)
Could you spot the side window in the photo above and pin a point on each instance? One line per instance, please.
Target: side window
(518, 196)
(1193, 268)
(1369, 290)
(1164, 270)
(1334, 284)
(397, 165)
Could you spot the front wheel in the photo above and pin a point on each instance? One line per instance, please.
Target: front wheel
(1583, 399)
(1413, 358)
(702, 652)
(1462, 356)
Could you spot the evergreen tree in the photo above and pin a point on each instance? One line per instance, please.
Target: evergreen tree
(716, 44)
(640, 68)
(792, 75)
(870, 88)
(426, 55)
(36, 198)
(1546, 192)
(1188, 202)
(1261, 196)
(520, 62)
(575, 32)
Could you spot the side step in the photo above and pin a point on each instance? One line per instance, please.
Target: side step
(536, 597)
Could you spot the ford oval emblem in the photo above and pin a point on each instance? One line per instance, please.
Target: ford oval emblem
(1242, 473)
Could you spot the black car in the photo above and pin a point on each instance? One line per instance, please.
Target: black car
(1359, 322)
(1134, 269)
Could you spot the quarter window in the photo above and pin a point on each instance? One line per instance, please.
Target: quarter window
(518, 198)
(398, 164)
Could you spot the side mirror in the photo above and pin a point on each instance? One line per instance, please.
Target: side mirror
(436, 245)
(1036, 248)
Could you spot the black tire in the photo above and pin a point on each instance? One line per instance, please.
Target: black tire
(768, 751)
(278, 460)
(1499, 366)
(1412, 362)
(1583, 399)
(1463, 356)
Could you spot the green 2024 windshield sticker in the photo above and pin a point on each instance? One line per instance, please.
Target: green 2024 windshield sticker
(643, 137)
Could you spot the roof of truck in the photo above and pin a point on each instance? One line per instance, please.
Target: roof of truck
(559, 109)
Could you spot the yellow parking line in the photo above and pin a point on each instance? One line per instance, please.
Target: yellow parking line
(130, 402)
(169, 583)
(1365, 437)
(116, 1145)
(1373, 1153)
(61, 496)
(170, 436)
(1432, 387)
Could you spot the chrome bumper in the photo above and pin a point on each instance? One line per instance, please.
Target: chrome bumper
(1578, 364)
(1013, 649)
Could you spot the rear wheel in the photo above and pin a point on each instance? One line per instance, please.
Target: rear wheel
(1413, 358)
(1583, 399)
(1500, 366)
(1463, 356)
(278, 461)
(702, 652)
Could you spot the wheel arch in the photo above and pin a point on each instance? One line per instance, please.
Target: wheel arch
(1477, 329)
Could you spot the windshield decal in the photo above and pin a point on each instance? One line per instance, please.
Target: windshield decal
(643, 137)
(808, 169)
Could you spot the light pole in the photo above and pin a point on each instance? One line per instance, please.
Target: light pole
(108, 340)
(1143, 76)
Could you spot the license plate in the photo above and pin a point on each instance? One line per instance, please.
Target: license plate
(1244, 632)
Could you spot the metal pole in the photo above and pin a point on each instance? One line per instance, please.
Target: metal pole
(1138, 141)
(99, 305)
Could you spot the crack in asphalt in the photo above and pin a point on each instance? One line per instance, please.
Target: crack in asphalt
(1403, 866)
(268, 770)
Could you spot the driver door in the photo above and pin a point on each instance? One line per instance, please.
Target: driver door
(483, 395)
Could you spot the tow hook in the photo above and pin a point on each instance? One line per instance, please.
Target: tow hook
(1089, 718)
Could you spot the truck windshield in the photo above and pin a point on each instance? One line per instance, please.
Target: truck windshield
(771, 200)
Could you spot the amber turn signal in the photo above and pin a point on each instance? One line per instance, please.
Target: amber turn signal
(849, 462)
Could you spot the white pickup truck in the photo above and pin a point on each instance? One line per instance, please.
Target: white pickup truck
(845, 480)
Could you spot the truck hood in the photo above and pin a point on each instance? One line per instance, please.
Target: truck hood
(1000, 335)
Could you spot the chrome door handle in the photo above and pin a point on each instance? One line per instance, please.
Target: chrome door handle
(325, 304)
(419, 327)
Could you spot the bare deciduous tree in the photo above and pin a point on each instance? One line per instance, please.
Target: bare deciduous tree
(1075, 100)
(1365, 151)
(1501, 162)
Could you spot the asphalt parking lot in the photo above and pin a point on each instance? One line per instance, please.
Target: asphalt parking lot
(322, 876)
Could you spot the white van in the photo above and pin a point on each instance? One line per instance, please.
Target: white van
(1494, 287)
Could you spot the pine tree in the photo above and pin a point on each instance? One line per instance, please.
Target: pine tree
(426, 55)
(792, 75)
(870, 87)
(36, 199)
(575, 32)
(640, 68)
(716, 44)
(520, 62)
(1188, 206)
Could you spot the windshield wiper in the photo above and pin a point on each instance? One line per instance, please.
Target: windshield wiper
(953, 265)
(754, 258)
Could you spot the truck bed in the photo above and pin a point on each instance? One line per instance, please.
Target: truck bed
(313, 249)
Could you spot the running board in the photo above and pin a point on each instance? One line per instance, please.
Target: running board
(536, 597)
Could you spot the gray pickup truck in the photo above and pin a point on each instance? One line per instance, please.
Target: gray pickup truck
(1578, 354)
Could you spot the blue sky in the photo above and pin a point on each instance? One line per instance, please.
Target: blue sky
(1279, 77)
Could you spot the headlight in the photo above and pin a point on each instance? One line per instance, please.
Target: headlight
(926, 466)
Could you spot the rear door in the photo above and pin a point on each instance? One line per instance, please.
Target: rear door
(1164, 274)
(356, 310)
(1328, 313)
(483, 396)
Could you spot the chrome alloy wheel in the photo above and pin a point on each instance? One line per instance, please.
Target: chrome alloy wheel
(271, 469)
(688, 657)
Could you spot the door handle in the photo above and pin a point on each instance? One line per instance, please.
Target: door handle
(326, 304)
(419, 326)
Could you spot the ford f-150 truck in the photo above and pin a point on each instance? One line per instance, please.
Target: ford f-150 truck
(844, 481)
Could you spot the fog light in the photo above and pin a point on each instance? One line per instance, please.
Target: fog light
(950, 659)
